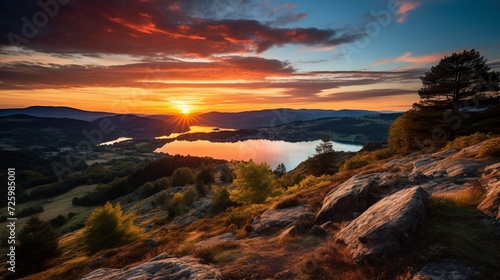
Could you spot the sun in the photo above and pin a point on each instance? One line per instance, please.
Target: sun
(183, 107)
(185, 110)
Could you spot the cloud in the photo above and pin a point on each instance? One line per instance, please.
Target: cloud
(416, 61)
(189, 28)
(404, 9)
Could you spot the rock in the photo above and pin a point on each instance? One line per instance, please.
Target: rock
(349, 197)
(150, 242)
(276, 219)
(226, 238)
(160, 267)
(447, 269)
(318, 231)
(490, 204)
(294, 230)
(387, 227)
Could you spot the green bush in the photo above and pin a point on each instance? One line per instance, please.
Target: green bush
(181, 202)
(182, 176)
(254, 183)
(205, 175)
(107, 227)
(221, 201)
(366, 158)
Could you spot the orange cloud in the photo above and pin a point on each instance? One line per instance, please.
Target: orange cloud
(404, 8)
(409, 58)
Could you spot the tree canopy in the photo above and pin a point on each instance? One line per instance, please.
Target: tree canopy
(254, 183)
(456, 78)
(39, 242)
(107, 227)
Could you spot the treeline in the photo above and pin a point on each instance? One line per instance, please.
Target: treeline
(96, 173)
(150, 172)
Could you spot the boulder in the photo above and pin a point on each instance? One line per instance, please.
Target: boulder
(226, 238)
(490, 204)
(161, 267)
(447, 269)
(349, 197)
(387, 227)
(275, 219)
(294, 230)
(318, 231)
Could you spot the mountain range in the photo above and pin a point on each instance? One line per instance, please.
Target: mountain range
(239, 120)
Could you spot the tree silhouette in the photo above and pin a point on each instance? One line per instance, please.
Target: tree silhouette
(456, 78)
(39, 243)
(280, 170)
(324, 147)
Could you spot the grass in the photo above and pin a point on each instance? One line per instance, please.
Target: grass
(454, 231)
(58, 205)
(213, 253)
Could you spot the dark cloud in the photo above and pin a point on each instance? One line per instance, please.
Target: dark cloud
(157, 27)
(36, 75)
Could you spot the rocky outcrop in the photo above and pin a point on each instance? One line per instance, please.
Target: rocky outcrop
(276, 219)
(349, 197)
(387, 227)
(447, 269)
(161, 267)
(223, 239)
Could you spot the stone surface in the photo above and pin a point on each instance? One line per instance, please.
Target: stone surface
(447, 269)
(349, 197)
(318, 231)
(276, 219)
(490, 204)
(294, 230)
(161, 267)
(388, 227)
(226, 238)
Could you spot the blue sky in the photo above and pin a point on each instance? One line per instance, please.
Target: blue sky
(167, 56)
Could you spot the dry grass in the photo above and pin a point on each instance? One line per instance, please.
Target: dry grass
(211, 253)
(491, 148)
(469, 197)
(467, 141)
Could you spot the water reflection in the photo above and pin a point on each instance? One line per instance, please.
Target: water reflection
(195, 129)
(272, 152)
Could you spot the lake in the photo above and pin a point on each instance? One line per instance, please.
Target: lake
(272, 152)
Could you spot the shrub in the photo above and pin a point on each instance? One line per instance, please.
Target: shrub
(58, 221)
(490, 148)
(254, 183)
(221, 201)
(181, 201)
(287, 202)
(38, 243)
(182, 176)
(210, 252)
(289, 179)
(107, 227)
(205, 175)
(467, 141)
(366, 158)
(30, 211)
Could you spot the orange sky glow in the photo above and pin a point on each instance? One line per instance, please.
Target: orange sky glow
(196, 56)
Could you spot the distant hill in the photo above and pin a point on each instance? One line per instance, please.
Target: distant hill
(274, 117)
(239, 120)
(28, 132)
(143, 127)
(55, 112)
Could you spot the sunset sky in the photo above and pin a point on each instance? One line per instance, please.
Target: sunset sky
(161, 56)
